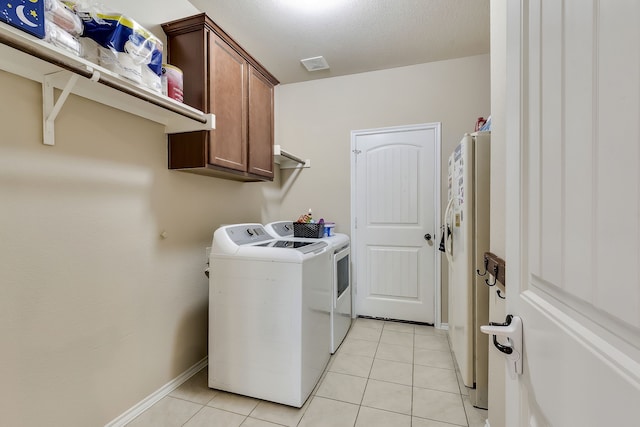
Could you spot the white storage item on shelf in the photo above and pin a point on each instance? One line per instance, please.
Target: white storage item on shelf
(120, 63)
(65, 18)
(151, 80)
(89, 49)
(59, 37)
(62, 26)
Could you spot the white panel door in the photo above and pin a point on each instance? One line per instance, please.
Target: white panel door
(573, 210)
(395, 183)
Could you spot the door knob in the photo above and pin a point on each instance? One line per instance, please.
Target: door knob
(427, 237)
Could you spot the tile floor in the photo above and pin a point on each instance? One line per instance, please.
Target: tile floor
(384, 374)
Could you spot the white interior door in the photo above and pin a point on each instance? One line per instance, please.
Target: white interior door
(395, 194)
(573, 210)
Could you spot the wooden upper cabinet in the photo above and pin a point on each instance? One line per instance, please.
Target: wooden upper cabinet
(228, 101)
(221, 78)
(260, 124)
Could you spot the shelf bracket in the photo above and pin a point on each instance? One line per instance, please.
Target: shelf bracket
(287, 160)
(176, 126)
(51, 108)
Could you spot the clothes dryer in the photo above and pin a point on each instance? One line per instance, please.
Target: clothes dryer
(340, 282)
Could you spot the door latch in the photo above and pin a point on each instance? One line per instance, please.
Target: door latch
(511, 329)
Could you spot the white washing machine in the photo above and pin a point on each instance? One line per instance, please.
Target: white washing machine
(269, 323)
(340, 282)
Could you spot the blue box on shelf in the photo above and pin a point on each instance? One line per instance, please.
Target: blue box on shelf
(27, 15)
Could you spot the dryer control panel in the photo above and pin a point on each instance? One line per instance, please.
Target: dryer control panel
(282, 228)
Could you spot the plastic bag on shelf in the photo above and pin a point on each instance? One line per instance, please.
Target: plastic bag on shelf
(121, 64)
(89, 49)
(151, 79)
(120, 33)
(61, 15)
(133, 51)
(61, 38)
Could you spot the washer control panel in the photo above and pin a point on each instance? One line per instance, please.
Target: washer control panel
(247, 234)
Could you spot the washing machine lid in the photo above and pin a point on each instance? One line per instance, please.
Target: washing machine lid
(284, 229)
(252, 241)
(302, 246)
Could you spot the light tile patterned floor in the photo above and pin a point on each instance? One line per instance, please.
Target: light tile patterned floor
(384, 374)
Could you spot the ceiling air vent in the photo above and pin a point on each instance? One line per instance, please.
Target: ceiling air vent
(315, 64)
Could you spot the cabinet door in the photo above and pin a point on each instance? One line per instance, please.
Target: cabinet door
(228, 98)
(260, 125)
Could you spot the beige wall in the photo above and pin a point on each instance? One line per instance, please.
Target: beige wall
(314, 120)
(97, 311)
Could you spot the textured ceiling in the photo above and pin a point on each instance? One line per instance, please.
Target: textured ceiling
(354, 36)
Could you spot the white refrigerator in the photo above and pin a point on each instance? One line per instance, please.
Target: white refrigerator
(466, 240)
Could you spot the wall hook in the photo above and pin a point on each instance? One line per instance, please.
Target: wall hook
(500, 294)
(496, 268)
(486, 264)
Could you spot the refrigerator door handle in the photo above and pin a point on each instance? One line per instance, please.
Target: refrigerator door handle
(448, 250)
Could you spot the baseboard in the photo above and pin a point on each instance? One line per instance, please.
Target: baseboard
(156, 396)
(444, 326)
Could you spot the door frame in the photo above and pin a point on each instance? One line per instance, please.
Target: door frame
(436, 126)
(513, 192)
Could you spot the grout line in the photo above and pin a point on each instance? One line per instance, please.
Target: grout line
(375, 353)
(197, 412)
(411, 415)
(368, 376)
(413, 372)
